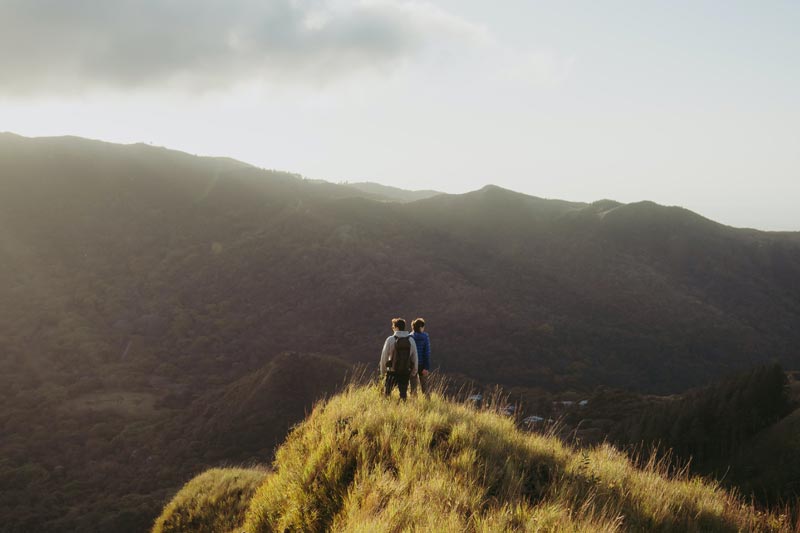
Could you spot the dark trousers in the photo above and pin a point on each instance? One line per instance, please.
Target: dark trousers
(400, 381)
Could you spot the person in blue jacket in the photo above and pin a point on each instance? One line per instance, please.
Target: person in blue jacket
(424, 352)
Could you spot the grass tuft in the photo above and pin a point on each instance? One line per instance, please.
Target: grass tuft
(213, 502)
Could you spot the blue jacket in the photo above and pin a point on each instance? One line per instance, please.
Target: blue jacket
(423, 350)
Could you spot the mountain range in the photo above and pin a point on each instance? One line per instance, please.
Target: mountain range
(151, 297)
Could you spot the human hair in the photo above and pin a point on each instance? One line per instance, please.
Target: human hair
(418, 324)
(399, 323)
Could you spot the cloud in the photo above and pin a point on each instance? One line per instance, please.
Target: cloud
(58, 46)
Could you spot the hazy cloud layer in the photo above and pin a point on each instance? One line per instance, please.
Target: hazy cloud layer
(56, 46)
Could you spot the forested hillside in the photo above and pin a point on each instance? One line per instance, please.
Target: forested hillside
(742, 429)
(146, 293)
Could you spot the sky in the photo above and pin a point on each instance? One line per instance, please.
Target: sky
(690, 103)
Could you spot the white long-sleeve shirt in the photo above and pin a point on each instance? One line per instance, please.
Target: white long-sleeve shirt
(389, 350)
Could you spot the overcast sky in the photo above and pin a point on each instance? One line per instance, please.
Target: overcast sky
(690, 103)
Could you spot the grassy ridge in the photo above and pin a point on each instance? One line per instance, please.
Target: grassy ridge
(363, 463)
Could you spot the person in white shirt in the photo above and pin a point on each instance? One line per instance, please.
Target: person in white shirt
(399, 359)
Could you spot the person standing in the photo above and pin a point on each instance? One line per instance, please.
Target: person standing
(399, 359)
(424, 354)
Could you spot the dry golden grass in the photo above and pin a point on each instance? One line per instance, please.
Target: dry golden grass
(364, 463)
(213, 502)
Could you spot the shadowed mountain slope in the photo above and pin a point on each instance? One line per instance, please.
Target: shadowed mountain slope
(247, 419)
(136, 239)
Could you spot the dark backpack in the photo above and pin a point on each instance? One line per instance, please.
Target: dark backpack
(400, 363)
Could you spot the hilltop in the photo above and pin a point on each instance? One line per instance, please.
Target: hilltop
(392, 193)
(360, 462)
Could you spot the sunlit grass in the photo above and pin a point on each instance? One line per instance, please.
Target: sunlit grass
(213, 502)
(364, 463)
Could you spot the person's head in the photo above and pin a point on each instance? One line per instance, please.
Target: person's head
(418, 325)
(399, 324)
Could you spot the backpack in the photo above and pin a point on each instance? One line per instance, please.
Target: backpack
(400, 363)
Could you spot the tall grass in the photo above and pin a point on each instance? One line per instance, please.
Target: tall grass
(213, 502)
(361, 462)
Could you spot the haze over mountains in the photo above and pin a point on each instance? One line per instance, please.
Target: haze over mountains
(657, 298)
(146, 292)
(393, 193)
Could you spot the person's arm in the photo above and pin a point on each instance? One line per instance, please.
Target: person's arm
(385, 356)
(426, 354)
(414, 358)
